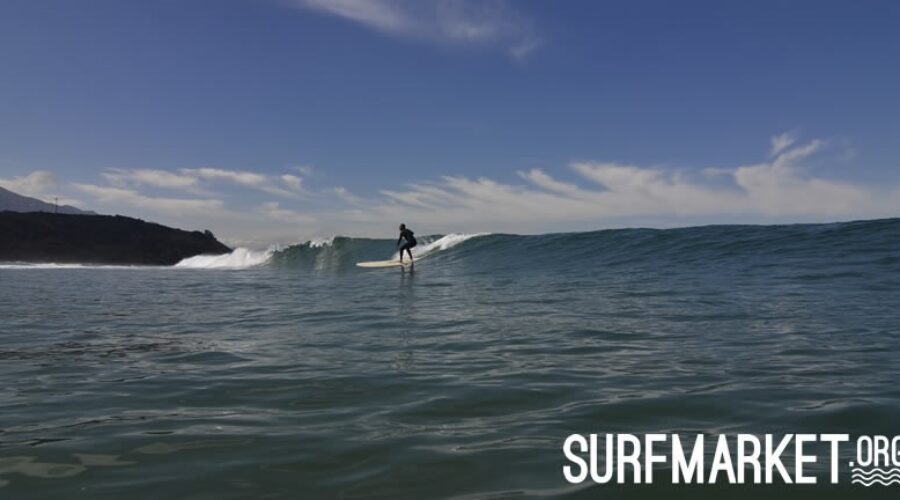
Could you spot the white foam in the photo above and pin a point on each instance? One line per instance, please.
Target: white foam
(240, 258)
(321, 242)
(243, 258)
(442, 243)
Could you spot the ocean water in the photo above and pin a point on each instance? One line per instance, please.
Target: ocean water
(291, 373)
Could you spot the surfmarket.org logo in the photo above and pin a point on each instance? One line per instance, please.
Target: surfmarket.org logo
(736, 459)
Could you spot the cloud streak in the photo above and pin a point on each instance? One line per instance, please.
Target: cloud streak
(274, 210)
(36, 184)
(484, 23)
(611, 194)
(192, 180)
(171, 206)
(585, 195)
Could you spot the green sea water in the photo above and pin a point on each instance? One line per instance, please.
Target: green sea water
(294, 374)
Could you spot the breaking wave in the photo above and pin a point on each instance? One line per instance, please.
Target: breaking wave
(321, 254)
(240, 258)
(817, 246)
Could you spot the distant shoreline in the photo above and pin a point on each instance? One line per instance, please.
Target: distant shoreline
(48, 238)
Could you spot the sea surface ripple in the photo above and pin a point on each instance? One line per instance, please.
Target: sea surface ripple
(294, 374)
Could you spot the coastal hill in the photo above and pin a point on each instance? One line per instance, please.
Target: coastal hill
(98, 239)
(17, 203)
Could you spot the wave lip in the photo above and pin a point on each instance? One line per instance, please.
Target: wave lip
(239, 258)
(321, 242)
(443, 243)
(836, 251)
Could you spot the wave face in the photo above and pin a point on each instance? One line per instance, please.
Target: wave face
(335, 253)
(841, 244)
(342, 253)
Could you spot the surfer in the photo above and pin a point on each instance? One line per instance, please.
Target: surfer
(406, 234)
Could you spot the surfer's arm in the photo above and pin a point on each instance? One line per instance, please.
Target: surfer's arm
(399, 240)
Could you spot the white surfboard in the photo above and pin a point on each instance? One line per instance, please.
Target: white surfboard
(384, 263)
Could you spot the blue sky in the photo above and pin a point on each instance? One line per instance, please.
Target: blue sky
(271, 120)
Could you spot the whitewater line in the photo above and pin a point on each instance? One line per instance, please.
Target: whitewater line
(443, 243)
(243, 258)
(239, 258)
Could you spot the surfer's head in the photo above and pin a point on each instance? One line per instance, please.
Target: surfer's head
(402, 227)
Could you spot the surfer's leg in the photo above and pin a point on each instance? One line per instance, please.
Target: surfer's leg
(404, 247)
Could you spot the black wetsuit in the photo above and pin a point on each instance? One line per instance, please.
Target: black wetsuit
(407, 235)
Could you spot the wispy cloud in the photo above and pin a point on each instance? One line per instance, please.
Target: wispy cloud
(39, 184)
(192, 179)
(171, 206)
(781, 142)
(540, 179)
(293, 182)
(274, 210)
(486, 23)
(583, 195)
(610, 194)
(346, 196)
(243, 178)
(249, 179)
(36, 184)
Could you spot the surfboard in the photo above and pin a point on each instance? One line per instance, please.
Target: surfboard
(384, 263)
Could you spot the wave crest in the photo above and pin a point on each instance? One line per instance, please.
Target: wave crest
(443, 243)
(240, 258)
(320, 254)
(832, 251)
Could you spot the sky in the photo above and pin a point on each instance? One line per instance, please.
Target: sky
(283, 120)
